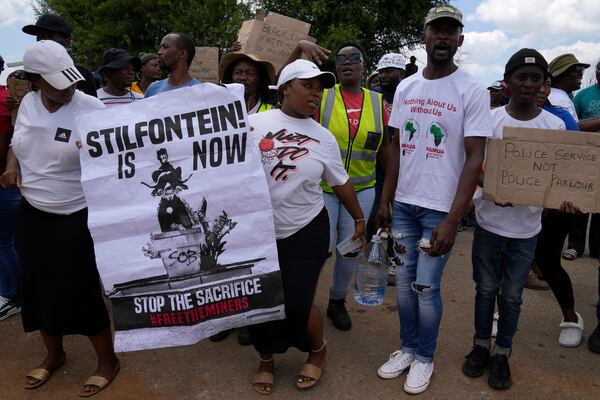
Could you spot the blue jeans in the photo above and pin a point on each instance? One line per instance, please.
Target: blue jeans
(418, 277)
(9, 264)
(500, 269)
(341, 226)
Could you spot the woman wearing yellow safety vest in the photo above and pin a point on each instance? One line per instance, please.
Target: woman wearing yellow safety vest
(357, 119)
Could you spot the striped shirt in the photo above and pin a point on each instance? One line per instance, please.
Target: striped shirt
(110, 100)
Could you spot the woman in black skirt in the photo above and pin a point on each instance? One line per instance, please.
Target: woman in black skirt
(297, 153)
(60, 286)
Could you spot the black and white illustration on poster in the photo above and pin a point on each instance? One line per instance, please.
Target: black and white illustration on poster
(180, 213)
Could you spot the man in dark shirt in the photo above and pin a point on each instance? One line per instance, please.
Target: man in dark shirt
(411, 67)
(52, 27)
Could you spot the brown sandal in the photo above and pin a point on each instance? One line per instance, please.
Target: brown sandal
(310, 371)
(265, 378)
(41, 374)
(99, 381)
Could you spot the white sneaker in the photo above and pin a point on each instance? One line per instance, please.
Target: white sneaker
(398, 362)
(418, 378)
(571, 333)
(495, 324)
(8, 307)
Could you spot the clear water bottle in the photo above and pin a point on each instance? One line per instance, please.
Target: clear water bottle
(371, 273)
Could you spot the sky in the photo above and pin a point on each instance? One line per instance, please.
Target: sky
(494, 30)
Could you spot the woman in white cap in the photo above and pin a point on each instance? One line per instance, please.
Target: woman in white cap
(297, 153)
(60, 285)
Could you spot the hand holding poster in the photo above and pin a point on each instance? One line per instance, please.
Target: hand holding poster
(181, 217)
(541, 167)
(273, 37)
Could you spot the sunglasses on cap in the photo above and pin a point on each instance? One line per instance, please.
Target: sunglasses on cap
(354, 58)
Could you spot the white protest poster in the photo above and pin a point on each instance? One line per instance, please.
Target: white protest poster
(181, 217)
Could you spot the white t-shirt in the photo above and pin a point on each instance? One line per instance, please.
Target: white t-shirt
(560, 98)
(296, 155)
(434, 116)
(518, 222)
(44, 144)
(110, 100)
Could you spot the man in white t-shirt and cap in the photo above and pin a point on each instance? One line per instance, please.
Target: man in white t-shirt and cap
(443, 119)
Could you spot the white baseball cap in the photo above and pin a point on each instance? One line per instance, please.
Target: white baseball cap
(391, 60)
(304, 69)
(53, 63)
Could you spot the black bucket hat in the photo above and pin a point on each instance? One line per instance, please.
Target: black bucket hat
(117, 59)
(49, 22)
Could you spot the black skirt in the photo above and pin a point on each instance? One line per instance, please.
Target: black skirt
(59, 281)
(301, 257)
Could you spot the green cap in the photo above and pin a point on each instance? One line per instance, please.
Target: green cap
(446, 11)
(562, 63)
(144, 57)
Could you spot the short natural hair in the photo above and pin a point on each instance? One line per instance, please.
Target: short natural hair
(184, 42)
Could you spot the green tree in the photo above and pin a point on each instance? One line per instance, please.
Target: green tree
(380, 26)
(139, 25)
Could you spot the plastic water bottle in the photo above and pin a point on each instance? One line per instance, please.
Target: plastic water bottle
(371, 273)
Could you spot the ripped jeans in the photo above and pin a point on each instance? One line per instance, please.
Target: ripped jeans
(418, 278)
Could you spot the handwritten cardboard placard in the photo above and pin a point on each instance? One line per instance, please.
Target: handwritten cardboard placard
(205, 65)
(272, 38)
(543, 168)
(17, 88)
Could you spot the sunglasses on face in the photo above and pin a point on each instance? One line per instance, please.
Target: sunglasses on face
(354, 58)
(578, 69)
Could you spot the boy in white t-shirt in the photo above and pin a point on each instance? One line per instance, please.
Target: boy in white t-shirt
(443, 117)
(505, 236)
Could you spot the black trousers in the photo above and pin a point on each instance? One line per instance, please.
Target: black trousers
(578, 232)
(555, 227)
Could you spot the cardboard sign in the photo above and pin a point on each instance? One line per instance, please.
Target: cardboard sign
(205, 65)
(17, 88)
(272, 38)
(541, 167)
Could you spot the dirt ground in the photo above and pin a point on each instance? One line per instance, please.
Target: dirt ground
(541, 369)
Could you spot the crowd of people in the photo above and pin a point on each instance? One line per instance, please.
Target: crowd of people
(406, 153)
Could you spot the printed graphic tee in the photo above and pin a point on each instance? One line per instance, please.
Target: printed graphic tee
(110, 100)
(518, 222)
(433, 117)
(296, 155)
(587, 102)
(44, 144)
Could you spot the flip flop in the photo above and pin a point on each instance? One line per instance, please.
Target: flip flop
(41, 374)
(263, 378)
(97, 381)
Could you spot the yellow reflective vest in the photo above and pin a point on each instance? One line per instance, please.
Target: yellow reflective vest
(360, 154)
(264, 107)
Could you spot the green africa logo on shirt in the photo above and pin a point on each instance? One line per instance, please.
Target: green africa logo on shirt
(440, 135)
(410, 130)
(437, 132)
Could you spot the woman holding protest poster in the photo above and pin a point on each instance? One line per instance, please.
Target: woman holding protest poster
(297, 153)
(61, 290)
